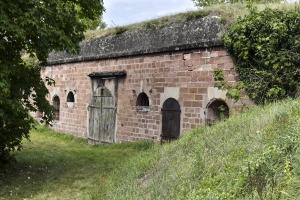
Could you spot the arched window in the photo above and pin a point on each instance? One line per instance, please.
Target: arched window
(217, 110)
(56, 106)
(142, 102)
(70, 97)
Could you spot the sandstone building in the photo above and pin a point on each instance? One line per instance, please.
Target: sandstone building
(153, 83)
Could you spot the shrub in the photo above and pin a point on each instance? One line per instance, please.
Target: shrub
(266, 49)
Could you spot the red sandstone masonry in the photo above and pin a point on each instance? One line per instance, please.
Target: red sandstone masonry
(190, 71)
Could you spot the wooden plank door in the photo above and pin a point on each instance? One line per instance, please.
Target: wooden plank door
(170, 119)
(102, 117)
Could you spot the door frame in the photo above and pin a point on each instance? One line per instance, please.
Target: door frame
(94, 140)
(110, 80)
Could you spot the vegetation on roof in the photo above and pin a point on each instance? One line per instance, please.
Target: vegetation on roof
(154, 23)
(227, 12)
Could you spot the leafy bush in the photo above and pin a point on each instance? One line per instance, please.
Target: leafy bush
(266, 48)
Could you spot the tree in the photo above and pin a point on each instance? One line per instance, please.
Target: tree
(34, 28)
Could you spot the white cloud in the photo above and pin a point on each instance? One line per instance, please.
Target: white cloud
(120, 12)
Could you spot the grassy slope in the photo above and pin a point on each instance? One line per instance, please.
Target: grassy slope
(209, 163)
(228, 12)
(214, 162)
(56, 166)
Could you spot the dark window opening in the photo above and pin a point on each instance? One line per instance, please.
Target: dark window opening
(217, 110)
(142, 102)
(56, 107)
(70, 97)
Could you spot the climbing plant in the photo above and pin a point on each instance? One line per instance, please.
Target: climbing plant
(266, 49)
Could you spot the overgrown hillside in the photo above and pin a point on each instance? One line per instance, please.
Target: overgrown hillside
(253, 155)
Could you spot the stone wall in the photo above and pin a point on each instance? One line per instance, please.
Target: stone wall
(183, 75)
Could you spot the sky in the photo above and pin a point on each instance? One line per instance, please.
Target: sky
(122, 12)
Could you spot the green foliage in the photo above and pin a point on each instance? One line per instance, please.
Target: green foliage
(91, 23)
(266, 48)
(204, 3)
(271, 171)
(58, 166)
(232, 91)
(33, 28)
(94, 24)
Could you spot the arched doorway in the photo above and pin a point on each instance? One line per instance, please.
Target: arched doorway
(102, 117)
(216, 110)
(170, 119)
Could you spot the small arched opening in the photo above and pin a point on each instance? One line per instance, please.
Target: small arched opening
(170, 119)
(142, 102)
(70, 97)
(56, 107)
(216, 110)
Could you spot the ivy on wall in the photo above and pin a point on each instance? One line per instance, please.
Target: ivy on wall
(266, 48)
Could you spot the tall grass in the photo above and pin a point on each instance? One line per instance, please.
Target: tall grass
(254, 155)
